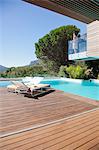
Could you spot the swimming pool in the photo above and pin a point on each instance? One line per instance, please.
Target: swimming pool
(83, 88)
(86, 88)
(4, 83)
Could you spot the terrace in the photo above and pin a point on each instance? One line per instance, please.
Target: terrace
(55, 121)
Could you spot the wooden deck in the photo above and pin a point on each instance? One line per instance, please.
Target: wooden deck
(52, 122)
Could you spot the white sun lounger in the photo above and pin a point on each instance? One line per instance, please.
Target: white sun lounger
(32, 80)
(20, 87)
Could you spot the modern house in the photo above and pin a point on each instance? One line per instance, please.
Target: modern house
(87, 46)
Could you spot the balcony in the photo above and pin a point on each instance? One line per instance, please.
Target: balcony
(85, 47)
(77, 48)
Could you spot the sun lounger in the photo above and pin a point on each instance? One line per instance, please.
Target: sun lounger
(32, 80)
(17, 87)
(12, 88)
(20, 87)
(30, 90)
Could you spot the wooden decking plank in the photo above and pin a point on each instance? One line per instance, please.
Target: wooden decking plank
(55, 138)
(50, 114)
(23, 126)
(43, 111)
(34, 118)
(68, 104)
(96, 147)
(33, 121)
(83, 141)
(89, 144)
(41, 104)
(47, 132)
(74, 142)
(37, 106)
(24, 123)
(62, 125)
(62, 140)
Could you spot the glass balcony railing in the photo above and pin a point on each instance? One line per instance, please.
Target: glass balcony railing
(78, 45)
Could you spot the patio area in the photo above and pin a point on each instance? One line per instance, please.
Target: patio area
(55, 121)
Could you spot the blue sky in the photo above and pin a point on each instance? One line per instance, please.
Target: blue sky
(21, 25)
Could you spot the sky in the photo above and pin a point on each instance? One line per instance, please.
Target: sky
(21, 26)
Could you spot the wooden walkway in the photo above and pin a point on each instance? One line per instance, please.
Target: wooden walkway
(80, 133)
(46, 123)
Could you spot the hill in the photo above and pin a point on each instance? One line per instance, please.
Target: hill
(35, 62)
(3, 68)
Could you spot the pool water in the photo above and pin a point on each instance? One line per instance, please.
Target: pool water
(86, 88)
(4, 83)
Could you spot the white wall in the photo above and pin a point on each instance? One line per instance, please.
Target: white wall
(93, 39)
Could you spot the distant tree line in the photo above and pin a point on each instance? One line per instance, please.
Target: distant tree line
(15, 72)
(76, 70)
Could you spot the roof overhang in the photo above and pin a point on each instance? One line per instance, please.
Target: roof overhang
(83, 10)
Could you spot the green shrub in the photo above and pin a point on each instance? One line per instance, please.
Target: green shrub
(75, 72)
(24, 71)
(62, 71)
